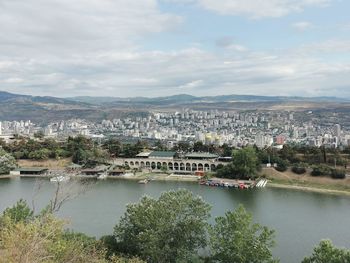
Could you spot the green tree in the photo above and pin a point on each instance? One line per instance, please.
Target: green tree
(325, 252)
(246, 162)
(20, 212)
(7, 162)
(113, 147)
(168, 229)
(235, 238)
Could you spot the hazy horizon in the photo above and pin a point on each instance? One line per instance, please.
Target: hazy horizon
(153, 48)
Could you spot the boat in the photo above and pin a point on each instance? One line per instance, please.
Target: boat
(60, 178)
(102, 176)
(145, 181)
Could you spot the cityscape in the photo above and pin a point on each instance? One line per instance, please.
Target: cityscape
(236, 129)
(174, 131)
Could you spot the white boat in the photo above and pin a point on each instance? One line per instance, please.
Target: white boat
(60, 178)
(102, 176)
(145, 181)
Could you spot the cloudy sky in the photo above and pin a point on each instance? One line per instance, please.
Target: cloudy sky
(127, 48)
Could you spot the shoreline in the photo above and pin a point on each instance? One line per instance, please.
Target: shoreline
(309, 189)
(164, 177)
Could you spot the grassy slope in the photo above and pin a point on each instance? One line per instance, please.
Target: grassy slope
(306, 181)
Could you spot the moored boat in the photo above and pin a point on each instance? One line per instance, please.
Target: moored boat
(145, 181)
(60, 178)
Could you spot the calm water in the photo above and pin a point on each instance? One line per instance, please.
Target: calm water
(301, 219)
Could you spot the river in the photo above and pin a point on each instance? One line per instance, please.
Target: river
(301, 219)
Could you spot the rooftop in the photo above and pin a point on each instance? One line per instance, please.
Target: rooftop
(201, 155)
(143, 154)
(162, 154)
(31, 169)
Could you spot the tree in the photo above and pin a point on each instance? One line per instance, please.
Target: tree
(326, 252)
(168, 229)
(20, 212)
(113, 146)
(7, 162)
(234, 238)
(25, 237)
(246, 162)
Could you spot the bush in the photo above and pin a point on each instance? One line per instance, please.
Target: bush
(321, 170)
(298, 169)
(338, 174)
(282, 165)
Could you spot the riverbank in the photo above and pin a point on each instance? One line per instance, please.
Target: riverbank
(157, 177)
(306, 182)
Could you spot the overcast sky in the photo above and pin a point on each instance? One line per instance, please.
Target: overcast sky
(127, 48)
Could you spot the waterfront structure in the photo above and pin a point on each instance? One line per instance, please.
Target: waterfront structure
(170, 161)
(28, 171)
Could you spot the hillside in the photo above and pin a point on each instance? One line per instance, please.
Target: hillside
(46, 109)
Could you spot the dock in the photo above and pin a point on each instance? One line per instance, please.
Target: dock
(240, 184)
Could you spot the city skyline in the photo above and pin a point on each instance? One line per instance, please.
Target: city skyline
(166, 47)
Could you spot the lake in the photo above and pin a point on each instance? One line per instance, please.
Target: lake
(301, 219)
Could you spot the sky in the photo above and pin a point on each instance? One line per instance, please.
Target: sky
(129, 48)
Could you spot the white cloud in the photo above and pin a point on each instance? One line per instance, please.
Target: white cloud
(192, 84)
(255, 8)
(64, 26)
(89, 47)
(194, 71)
(302, 26)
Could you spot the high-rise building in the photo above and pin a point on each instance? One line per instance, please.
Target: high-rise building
(337, 130)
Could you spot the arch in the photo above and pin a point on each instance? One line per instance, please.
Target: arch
(153, 165)
(176, 166)
(148, 165)
(142, 164)
(164, 164)
(194, 167)
(182, 167)
(131, 163)
(126, 163)
(213, 167)
(137, 163)
(200, 167)
(188, 167)
(170, 166)
(206, 167)
(159, 165)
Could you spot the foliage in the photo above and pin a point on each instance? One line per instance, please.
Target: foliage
(282, 165)
(167, 229)
(113, 147)
(7, 162)
(20, 212)
(326, 252)
(321, 170)
(338, 174)
(235, 238)
(244, 165)
(298, 169)
(227, 171)
(39, 135)
(246, 162)
(42, 238)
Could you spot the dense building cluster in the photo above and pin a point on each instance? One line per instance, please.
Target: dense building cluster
(236, 128)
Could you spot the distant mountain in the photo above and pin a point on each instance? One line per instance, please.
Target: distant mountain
(6, 97)
(184, 98)
(46, 109)
(40, 109)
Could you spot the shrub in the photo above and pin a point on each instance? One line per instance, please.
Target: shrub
(321, 170)
(282, 165)
(338, 174)
(298, 169)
